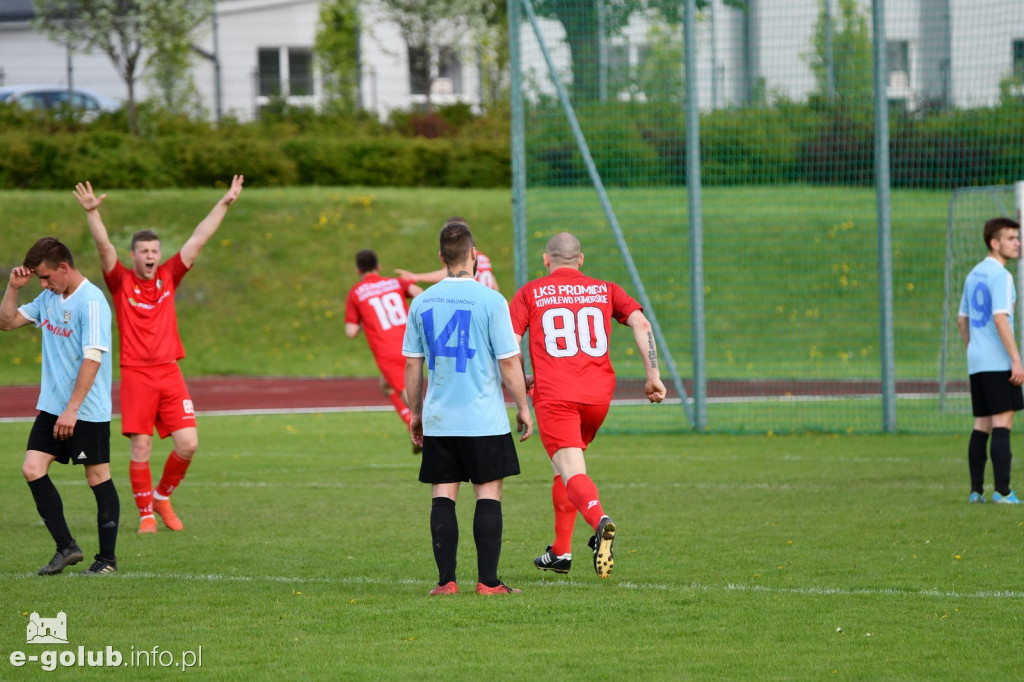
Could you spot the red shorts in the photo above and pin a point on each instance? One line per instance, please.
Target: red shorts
(393, 371)
(565, 424)
(155, 396)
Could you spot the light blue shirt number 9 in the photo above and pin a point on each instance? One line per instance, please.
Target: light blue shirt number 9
(981, 303)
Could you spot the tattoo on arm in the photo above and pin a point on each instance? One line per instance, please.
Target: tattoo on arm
(652, 354)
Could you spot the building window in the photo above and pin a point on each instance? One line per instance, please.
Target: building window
(1018, 60)
(619, 76)
(446, 81)
(297, 62)
(300, 72)
(897, 57)
(419, 69)
(269, 63)
(449, 68)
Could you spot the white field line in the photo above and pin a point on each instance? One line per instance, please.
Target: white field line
(654, 587)
(619, 402)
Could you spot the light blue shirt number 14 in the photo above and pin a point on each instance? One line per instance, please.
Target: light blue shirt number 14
(459, 326)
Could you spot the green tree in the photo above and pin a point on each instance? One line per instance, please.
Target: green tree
(583, 21)
(492, 42)
(432, 30)
(850, 60)
(125, 30)
(169, 67)
(337, 53)
(660, 76)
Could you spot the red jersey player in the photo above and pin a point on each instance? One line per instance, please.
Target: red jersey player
(153, 390)
(380, 306)
(569, 318)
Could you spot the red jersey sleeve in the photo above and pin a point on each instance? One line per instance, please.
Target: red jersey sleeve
(352, 307)
(114, 277)
(177, 268)
(519, 309)
(623, 305)
(407, 285)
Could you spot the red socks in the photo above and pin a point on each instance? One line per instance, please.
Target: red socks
(565, 518)
(400, 407)
(583, 494)
(142, 487)
(174, 471)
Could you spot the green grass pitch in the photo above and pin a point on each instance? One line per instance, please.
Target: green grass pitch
(306, 555)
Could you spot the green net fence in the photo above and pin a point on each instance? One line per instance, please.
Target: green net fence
(789, 204)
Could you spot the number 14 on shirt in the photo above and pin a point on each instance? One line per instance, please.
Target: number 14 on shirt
(458, 326)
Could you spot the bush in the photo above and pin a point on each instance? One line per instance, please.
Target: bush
(632, 145)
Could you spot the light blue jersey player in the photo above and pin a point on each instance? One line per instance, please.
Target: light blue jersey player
(71, 327)
(464, 326)
(993, 360)
(73, 424)
(462, 332)
(988, 291)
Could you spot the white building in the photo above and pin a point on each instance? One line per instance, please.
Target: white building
(948, 52)
(264, 49)
(953, 52)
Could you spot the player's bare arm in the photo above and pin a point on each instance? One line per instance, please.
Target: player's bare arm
(91, 204)
(512, 377)
(206, 229)
(10, 318)
(643, 336)
(522, 364)
(414, 389)
(352, 329)
(67, 419)
(427, 277)
(1002, 322)
(963, 323)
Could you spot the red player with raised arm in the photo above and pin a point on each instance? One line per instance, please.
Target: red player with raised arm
(153, 390)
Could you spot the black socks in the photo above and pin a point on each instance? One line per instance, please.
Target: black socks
(51, 509)
(487, 527)
(444, 536)
(108, 513)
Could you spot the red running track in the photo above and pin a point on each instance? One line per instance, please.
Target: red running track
(217, 394)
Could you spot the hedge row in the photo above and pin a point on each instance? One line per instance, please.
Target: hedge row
(36, 161)
(782, 145)
(631, 146)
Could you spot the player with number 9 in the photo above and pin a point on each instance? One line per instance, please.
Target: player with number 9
(993, 361)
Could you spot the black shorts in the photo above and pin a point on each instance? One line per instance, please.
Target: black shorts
(89, 442)
(448, 459)
(992, 393)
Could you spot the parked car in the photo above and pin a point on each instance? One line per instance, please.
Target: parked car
(57, 97)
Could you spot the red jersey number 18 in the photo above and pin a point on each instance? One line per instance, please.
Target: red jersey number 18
(390, 309)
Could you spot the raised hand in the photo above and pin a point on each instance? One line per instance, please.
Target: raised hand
(234, 191)
(86, 197)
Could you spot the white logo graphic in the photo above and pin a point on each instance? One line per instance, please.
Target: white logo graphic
(591, 504)
(55, 631)
(81, 455)
(47, 630)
